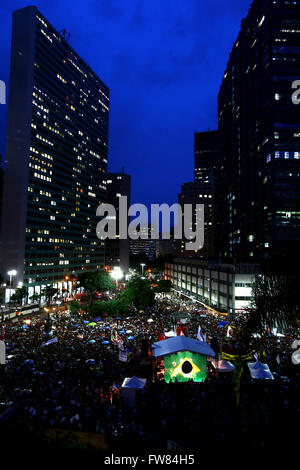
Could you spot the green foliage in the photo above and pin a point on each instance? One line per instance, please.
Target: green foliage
(74, 306)
(111, 307)
(19, 294)
(138, 292)
(49, 292)
(35, 297)
(94, 281)
(275, 302)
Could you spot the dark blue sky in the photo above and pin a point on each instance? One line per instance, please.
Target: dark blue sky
(163, 61)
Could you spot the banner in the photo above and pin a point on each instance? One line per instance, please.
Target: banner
(51, 341)
(123, 356)
(231, 357)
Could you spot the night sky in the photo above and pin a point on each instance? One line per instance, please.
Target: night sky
(163, 61)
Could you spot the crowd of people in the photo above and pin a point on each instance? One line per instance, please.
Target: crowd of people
(64, 371)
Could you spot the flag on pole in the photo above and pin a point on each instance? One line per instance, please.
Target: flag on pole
(200, 336)
(161, 336)
(113, 339)
(229, 332)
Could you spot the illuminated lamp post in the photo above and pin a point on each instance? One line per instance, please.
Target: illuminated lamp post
(116, 274)
(11, 273)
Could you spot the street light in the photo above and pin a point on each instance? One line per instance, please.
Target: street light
(11, 273)
(116, 274)
(143, 265)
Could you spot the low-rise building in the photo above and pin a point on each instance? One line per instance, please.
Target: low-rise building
(224, 287)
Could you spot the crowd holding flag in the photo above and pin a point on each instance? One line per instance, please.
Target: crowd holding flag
(229, 332)
(181, 331)
(116, 339)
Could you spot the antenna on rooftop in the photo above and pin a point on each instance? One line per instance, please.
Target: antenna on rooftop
(64, 33)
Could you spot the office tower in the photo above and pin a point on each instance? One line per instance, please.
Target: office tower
(117, 251)
(56, 157)
(260, 212)
(208, 153)
(199, 193)
(167, 246)
(208, 160)
(144, 245)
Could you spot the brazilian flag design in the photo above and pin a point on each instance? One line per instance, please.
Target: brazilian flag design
(184, 366)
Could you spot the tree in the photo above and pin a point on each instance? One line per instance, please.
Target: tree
(275, 302)
(49, 292)
(94, 281)
(74, 306)
(111, 307)
(139, 293)
(19, 294)
(35, 297)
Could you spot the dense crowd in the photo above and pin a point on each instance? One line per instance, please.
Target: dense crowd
(63, 371)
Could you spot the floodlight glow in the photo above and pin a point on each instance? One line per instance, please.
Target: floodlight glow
(116, 274)
(13, 272)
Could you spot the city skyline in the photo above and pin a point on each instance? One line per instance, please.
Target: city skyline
(159, 81)
(149, 230)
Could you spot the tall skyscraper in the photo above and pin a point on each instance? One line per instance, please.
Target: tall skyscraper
(208, 153)
(56, 156)
(117, 251)
(199, 193)
(261, 130)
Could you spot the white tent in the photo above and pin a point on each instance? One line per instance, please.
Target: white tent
(258, 370)
(134, 383)
(129, 388)
(275, 333)
(223, 366)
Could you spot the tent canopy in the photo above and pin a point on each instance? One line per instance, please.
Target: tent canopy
(181, 343)
(134, 383)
